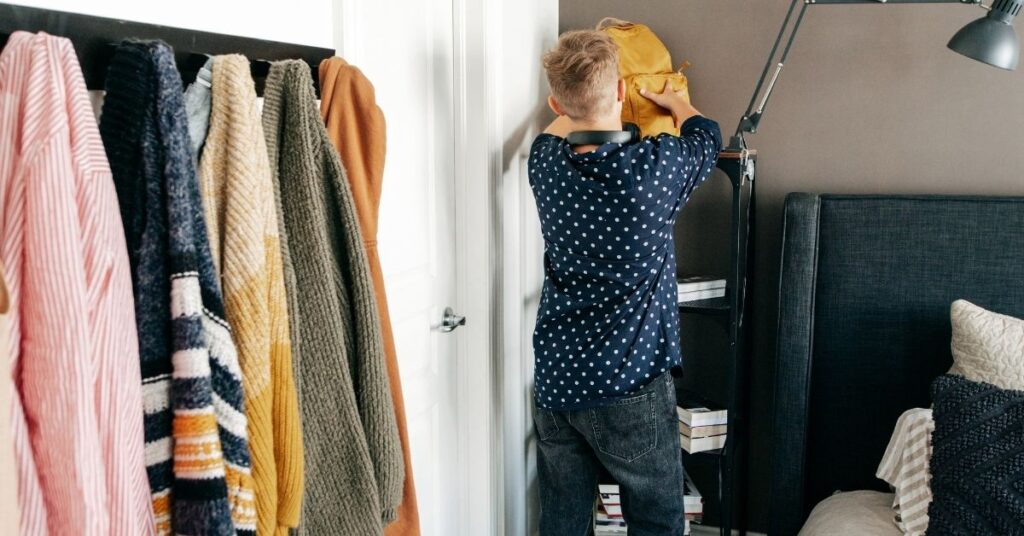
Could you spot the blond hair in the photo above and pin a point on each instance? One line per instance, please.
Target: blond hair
(582, 70)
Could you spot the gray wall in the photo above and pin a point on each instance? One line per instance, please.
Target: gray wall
(871, 102)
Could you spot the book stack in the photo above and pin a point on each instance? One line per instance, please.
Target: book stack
(608, 520)
(702, 425)
(693, 503)
(695, 288)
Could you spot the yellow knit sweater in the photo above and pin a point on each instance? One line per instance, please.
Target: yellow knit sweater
(241, 218)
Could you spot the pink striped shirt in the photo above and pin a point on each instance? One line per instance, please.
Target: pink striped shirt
(77, 406)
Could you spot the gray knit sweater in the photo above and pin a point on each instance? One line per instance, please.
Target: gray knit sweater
(354, 469)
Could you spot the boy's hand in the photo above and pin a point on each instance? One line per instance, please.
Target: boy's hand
(673, 101)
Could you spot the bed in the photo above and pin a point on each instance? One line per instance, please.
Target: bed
(865, 289)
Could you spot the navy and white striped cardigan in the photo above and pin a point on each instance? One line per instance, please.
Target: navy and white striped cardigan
(197, 453)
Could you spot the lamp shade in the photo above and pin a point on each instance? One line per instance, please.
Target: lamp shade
(991, 39)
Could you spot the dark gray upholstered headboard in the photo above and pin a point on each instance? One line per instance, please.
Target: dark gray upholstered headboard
(866, 286)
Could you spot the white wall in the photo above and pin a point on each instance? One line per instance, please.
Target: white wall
(529, 27)
(306, 22)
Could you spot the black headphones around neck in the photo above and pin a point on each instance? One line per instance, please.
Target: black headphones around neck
(629, 133)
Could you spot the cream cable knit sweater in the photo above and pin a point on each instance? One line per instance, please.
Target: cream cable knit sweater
(241, 218)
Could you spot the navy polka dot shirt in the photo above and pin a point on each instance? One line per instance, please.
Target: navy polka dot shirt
(608, 322)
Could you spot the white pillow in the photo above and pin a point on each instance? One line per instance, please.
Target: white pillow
(852, 513)
(987, 347)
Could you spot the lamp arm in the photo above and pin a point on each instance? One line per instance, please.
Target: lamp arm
(747, 123)
(752, 117)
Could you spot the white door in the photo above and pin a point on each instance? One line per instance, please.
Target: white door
(463, 92)
(405, 48)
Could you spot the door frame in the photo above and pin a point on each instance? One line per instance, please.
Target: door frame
(478, 275)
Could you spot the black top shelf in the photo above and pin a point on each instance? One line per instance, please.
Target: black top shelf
(95, 39)
(712, 306)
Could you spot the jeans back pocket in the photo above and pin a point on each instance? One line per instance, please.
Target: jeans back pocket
(544, 421)
(626, 429)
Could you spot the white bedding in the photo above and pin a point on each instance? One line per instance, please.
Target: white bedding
(853, 513)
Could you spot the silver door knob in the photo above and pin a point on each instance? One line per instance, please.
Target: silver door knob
(451, 321)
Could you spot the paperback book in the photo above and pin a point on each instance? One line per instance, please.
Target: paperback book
(701, 444)
(693, 502)
(695, 412)
(697, 283)
(702, 431)
(696, 295)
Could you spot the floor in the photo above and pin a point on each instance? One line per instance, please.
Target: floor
(704, 530)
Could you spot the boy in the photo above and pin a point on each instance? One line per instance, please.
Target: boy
(608, 329)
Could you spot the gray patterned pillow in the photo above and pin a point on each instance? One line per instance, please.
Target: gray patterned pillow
(977, 464)
(987, 347)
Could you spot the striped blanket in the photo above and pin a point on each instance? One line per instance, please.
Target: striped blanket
(905, 467)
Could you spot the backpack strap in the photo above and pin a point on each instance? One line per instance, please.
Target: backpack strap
(612, 21)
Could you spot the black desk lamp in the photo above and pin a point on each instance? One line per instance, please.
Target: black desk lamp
(990, 39)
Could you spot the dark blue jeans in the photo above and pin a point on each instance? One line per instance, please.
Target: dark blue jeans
(636, 440)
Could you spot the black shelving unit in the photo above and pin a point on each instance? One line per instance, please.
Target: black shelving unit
(733, 312)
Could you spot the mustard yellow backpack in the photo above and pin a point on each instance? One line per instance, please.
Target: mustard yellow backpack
(645, 63)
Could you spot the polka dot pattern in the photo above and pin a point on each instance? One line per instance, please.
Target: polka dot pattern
(608, 322)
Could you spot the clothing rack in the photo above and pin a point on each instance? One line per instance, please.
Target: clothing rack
(95, 38)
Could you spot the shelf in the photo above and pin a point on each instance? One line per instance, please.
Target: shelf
(735, 155)
(712, 452)
(711, 306)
